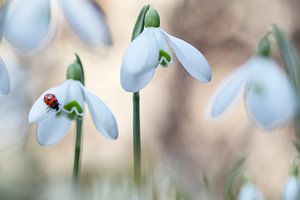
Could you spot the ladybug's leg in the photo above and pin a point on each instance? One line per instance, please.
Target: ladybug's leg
(48, 109)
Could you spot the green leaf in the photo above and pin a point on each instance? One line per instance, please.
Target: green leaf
(264, 47)
(140, 23)
(232, 179)
(289, 56)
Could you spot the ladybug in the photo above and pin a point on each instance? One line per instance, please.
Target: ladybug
(51, 101)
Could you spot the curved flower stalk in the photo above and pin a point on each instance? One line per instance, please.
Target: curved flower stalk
(249, 192)
(28, 26)
(268, 93)
(151, 48)
(52, 124)
(291, 190)
(4, 78)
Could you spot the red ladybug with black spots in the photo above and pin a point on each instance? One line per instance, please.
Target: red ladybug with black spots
(51, 101)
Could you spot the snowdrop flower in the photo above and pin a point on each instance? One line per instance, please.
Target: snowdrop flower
(26, 25)
(268, 93)
(151, 48)
(4, 79)
(249, 192)
(291, 189)
(54, 115)
(29, 26)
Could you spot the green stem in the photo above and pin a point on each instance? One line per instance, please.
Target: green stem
(76, 165)
(136, 137)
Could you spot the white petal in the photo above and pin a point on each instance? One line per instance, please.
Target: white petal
(74, 93)
(228, 90)
(103, 118)
(162, 43)
(87, 20)
(4, 78)
(26, 25)
(191, 59)
(139, 62)
(249, 192)
(39, 109)
(52, 129)
(270, 98)
(291, 189)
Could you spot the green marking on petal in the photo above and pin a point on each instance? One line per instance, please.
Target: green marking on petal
(258, 89)
(164, 58)
(73, 110)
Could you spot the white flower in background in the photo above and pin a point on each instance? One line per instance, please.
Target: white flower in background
(52, 124)
(4, 79)
(28, 26)
(249, 192)
(291, 189)
(88, 20)
(269, 95)
(150, 48)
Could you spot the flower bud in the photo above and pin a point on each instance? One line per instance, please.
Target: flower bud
(152, 18)
(75, 70)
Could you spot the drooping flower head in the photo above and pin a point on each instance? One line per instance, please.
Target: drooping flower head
(71, 96)
(151, 48)
(291, 189)
(268, 93)
(249, 191)
(30, 26)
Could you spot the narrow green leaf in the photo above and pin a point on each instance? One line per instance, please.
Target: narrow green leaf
(289, 56)
(140, 22)
(232, 178)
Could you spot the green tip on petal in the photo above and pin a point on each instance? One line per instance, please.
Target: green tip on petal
(140, 22)
(264, 47)
(75, 70)
(152, 18)
(73, 110)
(164, 58)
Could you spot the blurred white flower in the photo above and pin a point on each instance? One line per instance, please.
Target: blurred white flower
(249, 192)
(269, 95)
(4, 79)
(27, 26)
(87, 19)
(52, 123)
(149, 49)
(291, 189)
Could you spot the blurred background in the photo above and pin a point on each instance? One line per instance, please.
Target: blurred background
(180, 142)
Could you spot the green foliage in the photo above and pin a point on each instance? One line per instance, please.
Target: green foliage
(289, 56)
(264, 47)
(140, 22)
(232, 179)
